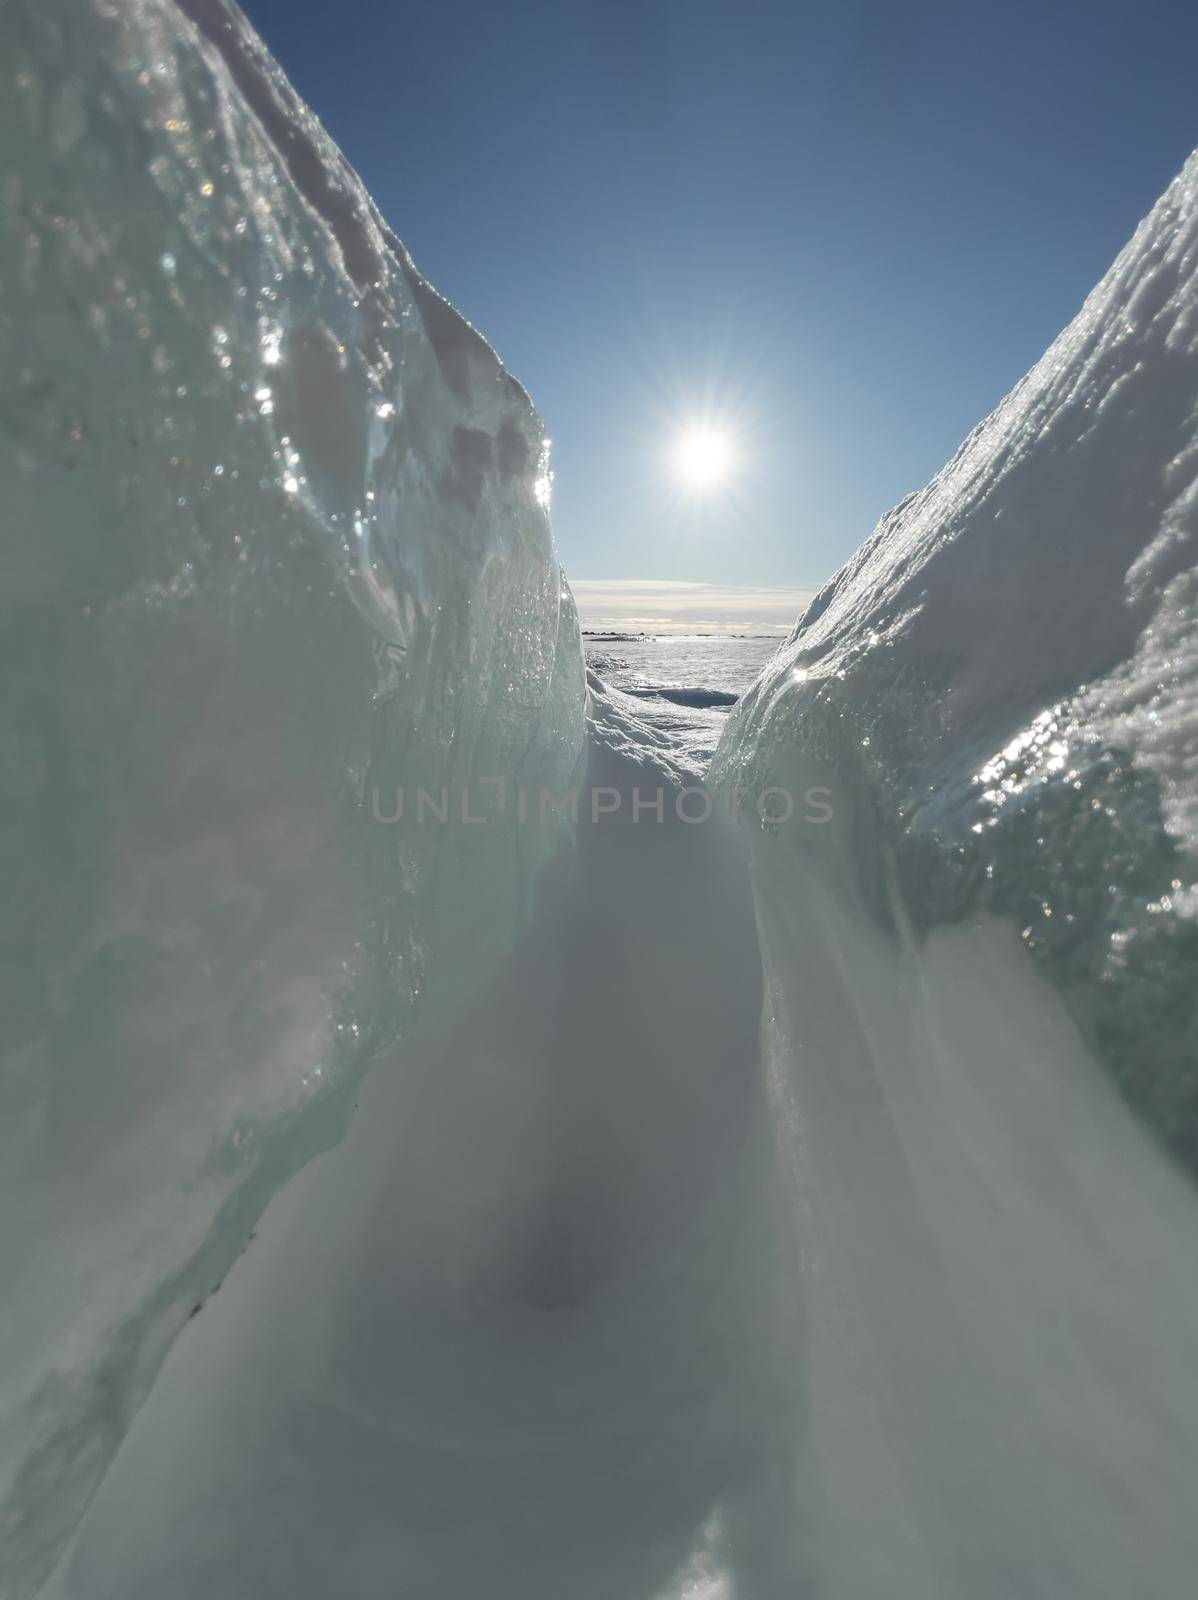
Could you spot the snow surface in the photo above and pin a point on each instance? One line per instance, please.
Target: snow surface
(685, 684)
(787, 1209)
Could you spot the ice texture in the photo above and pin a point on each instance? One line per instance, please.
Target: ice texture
(1005, 681)
(275, 538)
(980, 1017)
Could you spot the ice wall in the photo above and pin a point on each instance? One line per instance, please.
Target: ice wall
(992, 934)
(275, 540)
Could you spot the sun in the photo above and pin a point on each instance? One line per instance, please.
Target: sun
(702, 456)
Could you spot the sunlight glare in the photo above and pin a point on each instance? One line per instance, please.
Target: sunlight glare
(702, 456)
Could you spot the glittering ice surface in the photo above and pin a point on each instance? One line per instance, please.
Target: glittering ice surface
(982, 981)
(275, 535)
(1005, 676)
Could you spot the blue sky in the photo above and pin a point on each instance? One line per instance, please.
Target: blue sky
(844, 229)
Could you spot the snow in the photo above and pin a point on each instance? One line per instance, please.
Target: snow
(685, 685)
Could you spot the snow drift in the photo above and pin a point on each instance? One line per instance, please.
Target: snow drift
(767, 1212)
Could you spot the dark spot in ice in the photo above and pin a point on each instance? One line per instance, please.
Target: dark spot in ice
(511, 449)
(563, 1262)
(698, 697)
(313, 382)
(470, 456)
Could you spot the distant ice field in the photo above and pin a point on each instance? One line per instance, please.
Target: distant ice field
(685, 684)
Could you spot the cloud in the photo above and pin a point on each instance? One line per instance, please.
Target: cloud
(634, 605)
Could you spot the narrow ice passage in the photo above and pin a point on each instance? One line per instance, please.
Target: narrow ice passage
(791, 1211)
(523, 1333)
(609, 1295)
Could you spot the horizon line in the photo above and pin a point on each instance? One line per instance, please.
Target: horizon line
(655, 605)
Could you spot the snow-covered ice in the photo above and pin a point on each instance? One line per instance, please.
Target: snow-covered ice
(982, 963)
